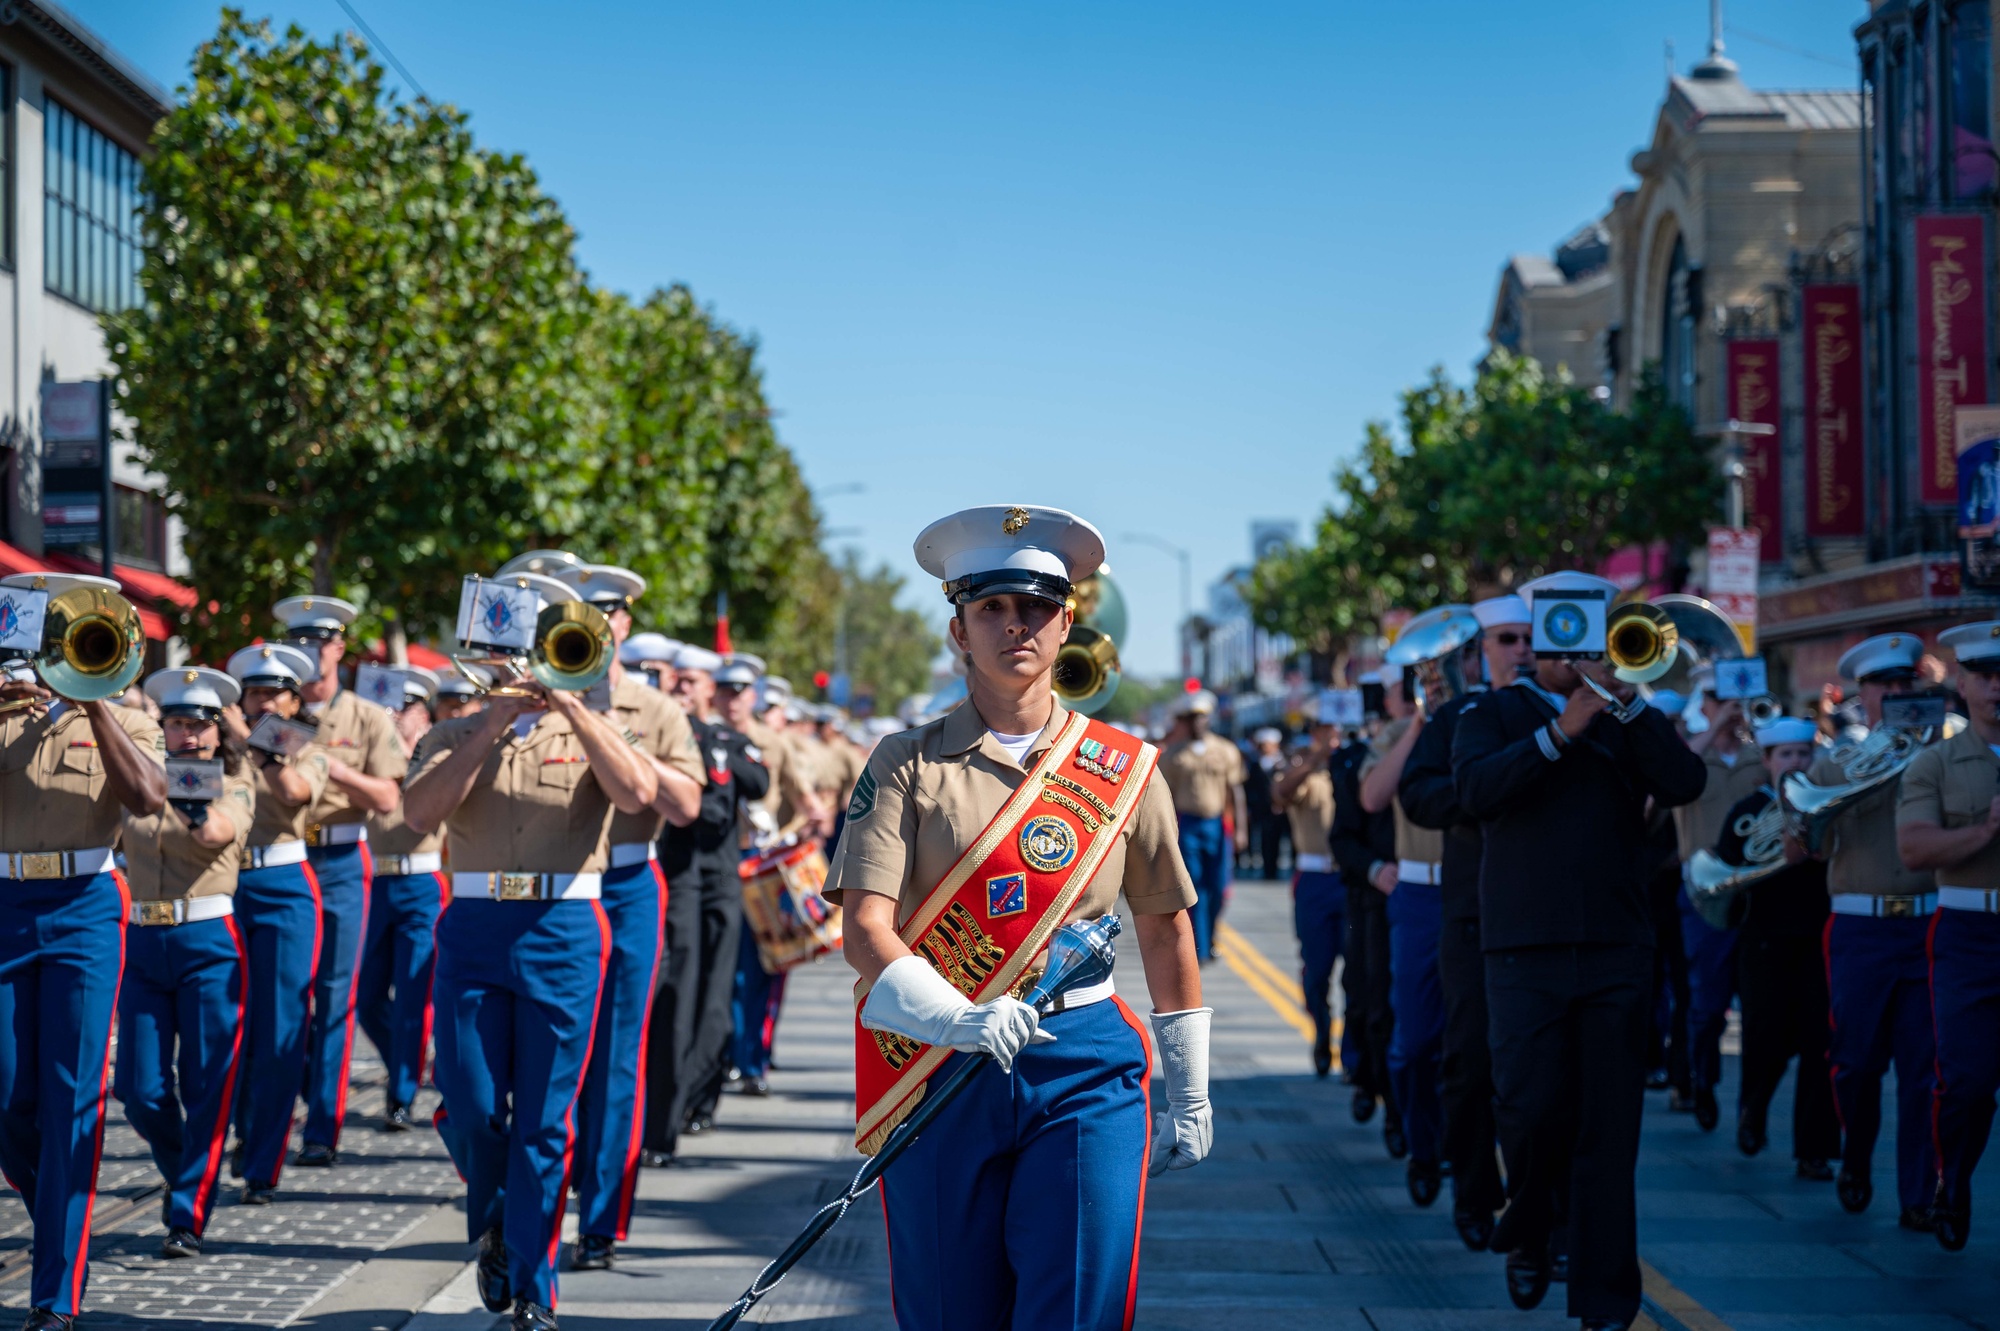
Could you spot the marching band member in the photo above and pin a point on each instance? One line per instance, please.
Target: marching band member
(691, 1013)
(364, 764)
(1560, 788)
(651, 657)
(1205, 774)
(1946, 821)
(1364, 846)
(1429, 797)
(393, 991)
(1878, 976)
(460, 693)
(525, 792)
(1733, 772)
(968, 840)
(66, 771)
(1416, 917)
(277, 912)
(1304, 793)
(610, 1118)
(1783, 971)
(180, 1007)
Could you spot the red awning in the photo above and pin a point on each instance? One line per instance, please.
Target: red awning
(419, 655)
(14, 560)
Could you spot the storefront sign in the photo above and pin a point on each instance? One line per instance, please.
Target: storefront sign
(1753, 400)
(1906, 588)
(1950, 343)
(1733, 554)
(1834, 440)
(1978, 449)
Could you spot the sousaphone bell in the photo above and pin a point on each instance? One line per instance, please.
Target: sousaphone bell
(1087, 670)
(1433, 646)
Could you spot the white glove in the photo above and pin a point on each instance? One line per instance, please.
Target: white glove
(1183, 1132)
(909, 998)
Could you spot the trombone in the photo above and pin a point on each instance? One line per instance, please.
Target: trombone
(571, 652)
(1642, 643)
(93, 646)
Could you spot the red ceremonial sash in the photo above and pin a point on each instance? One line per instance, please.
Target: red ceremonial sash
(991, 916)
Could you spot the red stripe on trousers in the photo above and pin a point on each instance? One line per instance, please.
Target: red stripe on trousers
(353, 987)
(424, 1045)
(1832, 1068)
(319, 937)
(569, 1115)
(1937, 1058)
(81, 1262)
(204, 1194)
(629, 1180)
(1145, 1159)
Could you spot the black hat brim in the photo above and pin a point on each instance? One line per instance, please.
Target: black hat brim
(1010, 581)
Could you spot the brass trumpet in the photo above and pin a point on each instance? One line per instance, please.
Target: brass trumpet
(572, 652)
(92, 644)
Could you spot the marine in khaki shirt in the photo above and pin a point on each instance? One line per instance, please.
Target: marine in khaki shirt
(1310, 812)
(1954, 786)
(928, 793)
(1204, 776)
(1414, 844)
(1861, 854)
(357, 735)
(660, 730)
(164, 861)
(55, 791)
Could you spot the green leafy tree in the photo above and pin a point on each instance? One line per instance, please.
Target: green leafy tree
(889, 647)
(356, 360)
(1485, 488)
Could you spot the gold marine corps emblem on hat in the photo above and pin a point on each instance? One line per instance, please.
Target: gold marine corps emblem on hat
(1017, 518)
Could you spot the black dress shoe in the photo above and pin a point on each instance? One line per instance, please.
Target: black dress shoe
(398, 1119)
(313, 1155)
(1423, 1180)
(532, 1317)
(1706, 1112)
(1394, 1139)
(43, 1319)
(1658, 1080)
(1322, 1061)
(1750, 1139)
(256, 1192)
(760, 1087)
(1527, 1278)
(1475, 1229)
(699, 1124)
(656, 1159)
(496, 1290)
(1814, 1171)
(180, 1243)
(236, 1161)
(1918, 1218)
(1679, 1101)
(1952, 1225)
(1363, 1108)
(1559, 1268)
(593, 1252)
(1854, 1191)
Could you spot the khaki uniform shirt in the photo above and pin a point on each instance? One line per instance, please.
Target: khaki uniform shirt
(1861, 855)
(1200, 773)
(363, 736)
(1953, 784)
(1699, 825)
(277, 820)
(53, 793)
(928, 793)
(660, 730)
(1425, 845)
(535, 806)
(842, 767)
(163, 863)
(1310, 810)
(789, 785)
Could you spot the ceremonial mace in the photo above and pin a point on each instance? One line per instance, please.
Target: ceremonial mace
(1080, 954)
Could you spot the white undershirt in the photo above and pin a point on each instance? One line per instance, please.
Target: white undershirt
(1017, 746)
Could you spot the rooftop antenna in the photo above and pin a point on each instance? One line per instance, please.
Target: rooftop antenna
(1717, 65)
(1670, 57)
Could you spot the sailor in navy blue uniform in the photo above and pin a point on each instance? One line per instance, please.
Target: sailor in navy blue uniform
(1948, 820)
(1560, 786)
(68, 771)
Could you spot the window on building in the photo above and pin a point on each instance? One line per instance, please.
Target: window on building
(1680, 309)
(1972, 160)
(141, 527)
(91, 251)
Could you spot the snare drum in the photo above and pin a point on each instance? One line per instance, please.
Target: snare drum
(784, 909)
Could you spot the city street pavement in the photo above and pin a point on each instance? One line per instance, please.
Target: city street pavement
(1299, 1219)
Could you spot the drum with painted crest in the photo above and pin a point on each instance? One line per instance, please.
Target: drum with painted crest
(783, 907)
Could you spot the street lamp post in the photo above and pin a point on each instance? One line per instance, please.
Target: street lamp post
(1187, 587)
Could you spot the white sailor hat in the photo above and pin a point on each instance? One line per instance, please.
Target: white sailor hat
(548, 562)
(741, 669)
(55, 584)
(1497, 610)
(1568, 582)
(774, 691)
(314, 616)
(1886, 655)
(1268, 735)
(643, 647)
(605, 586)
(192, 691)
(1977, 646)
(273, 665)
(456, 685)
(1201, 700)
(419, 684)
(1667, 702)
(690, 657)
(999, 548)
(1369, 677)
(1787, 730)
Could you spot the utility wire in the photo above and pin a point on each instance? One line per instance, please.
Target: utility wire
(381, 46)
(1771, 42)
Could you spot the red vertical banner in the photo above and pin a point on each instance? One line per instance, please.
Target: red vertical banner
(1753, 400)
(1835, 456)
(1950, 343)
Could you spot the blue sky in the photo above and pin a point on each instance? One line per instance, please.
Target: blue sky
(1157, 263)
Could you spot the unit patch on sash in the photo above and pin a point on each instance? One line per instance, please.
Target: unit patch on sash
(1048, 843)
(1006, 895)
